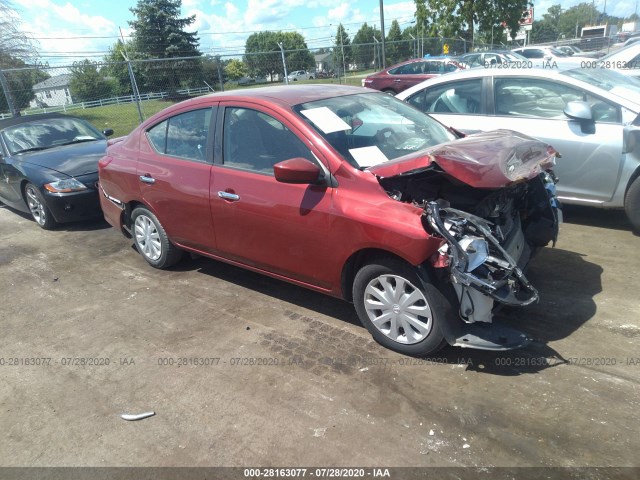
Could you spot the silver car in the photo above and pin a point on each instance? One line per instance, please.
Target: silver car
(591, 116)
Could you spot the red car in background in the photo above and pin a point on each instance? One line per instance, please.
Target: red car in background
(403, 75)
(346, 191)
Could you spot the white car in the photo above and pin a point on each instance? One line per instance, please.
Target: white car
(299, 75)
(541, 56)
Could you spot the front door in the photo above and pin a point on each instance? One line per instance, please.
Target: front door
(281, 228)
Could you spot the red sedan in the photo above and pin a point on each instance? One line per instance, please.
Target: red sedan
(403, 75)
(346, 191)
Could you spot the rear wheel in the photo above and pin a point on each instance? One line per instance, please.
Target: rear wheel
(400, 312)
(389, 91)
(632, 204)
(152, 241)
(38, 207)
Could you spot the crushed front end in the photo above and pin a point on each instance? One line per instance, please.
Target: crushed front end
(493, 205)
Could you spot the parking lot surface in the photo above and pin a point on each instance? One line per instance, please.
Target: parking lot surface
(244, 370)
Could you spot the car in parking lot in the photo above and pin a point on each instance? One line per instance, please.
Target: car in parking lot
(591, 116)
(406, 74)
(349, 192)
(541, 55)
(49, 167)
(299, 75)
(491, 58)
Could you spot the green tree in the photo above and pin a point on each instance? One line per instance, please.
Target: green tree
(116, 68)
(88, 83)
(452, 18)
(364, 47)
(20, 80)
(159, 33)
(17, 49)
(263, 56)
(397, 48)
(342, 48)
(235, 69)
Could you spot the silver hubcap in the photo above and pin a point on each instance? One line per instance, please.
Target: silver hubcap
(398, 309)
(147, 238)
(37, 210)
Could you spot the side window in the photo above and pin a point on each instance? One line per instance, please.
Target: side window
(187, 135)
(417, 100)
(255, 141)
(544, 99)
(184, 135)
(472, 60)
(532, 97)
(454, 97)
(533, 53)
(158, 136)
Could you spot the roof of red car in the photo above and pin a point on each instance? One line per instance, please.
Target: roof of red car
(291, 94)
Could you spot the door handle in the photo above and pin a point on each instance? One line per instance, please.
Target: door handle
(229, 196)
(147, 179)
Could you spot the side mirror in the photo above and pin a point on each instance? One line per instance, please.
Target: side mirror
(581, 111)
(108, 132)
(297, 170)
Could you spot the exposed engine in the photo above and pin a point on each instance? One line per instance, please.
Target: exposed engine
(488, 235)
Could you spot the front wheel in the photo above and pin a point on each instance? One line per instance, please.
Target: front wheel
(632, 204)
(152, 241)
(400, 312)
(38, 207)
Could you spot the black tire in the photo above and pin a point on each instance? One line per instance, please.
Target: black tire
(151, 240)
(415, 343)
(632, 205)
(389, 91)
(38, 207)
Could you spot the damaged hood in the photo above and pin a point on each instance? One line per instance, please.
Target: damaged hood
(483, 160)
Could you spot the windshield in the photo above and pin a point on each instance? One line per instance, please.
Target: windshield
(625, 53)
(557, 53)
(47, 133)
(371, 128)
(609, 80)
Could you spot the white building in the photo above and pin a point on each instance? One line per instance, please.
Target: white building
(52, 92)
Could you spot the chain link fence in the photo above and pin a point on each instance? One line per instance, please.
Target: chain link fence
(120, 95)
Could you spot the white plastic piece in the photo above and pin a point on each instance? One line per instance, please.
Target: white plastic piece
(326, 120)
(368, 156)
(139, 416)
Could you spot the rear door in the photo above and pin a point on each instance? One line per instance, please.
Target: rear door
(174, 166)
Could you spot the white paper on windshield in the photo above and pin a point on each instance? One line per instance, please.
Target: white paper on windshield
(368, 156)
(325, 120)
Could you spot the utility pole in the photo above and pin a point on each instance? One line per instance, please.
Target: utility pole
(375, 49)
(383, 60)
(132, 77)
(344, 65)
(284, 63)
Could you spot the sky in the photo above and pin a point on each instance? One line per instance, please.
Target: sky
(71, 30)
